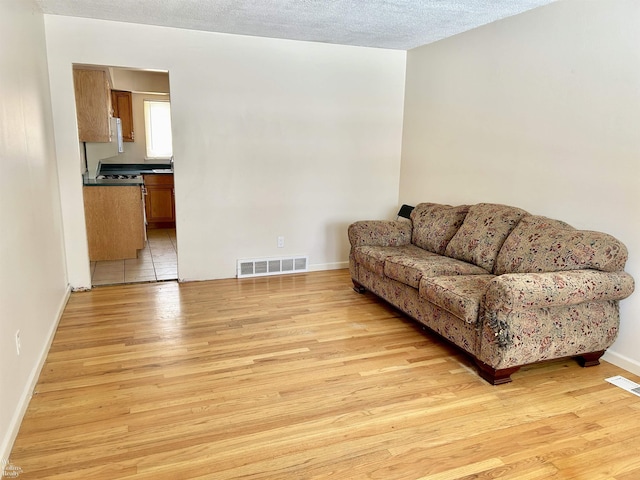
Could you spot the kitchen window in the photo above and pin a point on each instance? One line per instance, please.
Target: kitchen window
(157, 122)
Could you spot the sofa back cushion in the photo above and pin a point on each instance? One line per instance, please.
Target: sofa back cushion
(540, 244)
(434, 225)
(483, 232)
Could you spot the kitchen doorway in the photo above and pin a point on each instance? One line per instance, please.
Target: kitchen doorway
(144, 155)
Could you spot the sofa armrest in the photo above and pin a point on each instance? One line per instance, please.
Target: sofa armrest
(521, 291)
(382, 233)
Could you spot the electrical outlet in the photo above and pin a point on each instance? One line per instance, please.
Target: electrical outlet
(280, 242)
(18, 344)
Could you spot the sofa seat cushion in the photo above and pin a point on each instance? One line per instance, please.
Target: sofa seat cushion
(372, 257)
(483, 232)
(434, 225)
(540, 244)
(409, 269)
(459, 295)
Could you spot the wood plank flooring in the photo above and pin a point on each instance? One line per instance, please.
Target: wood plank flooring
(299, 377)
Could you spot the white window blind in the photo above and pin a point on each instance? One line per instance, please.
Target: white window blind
(157, 122)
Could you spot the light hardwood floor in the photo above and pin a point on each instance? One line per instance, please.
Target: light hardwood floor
(299, 377)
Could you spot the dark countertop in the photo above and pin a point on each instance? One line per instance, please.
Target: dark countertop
(125, 169)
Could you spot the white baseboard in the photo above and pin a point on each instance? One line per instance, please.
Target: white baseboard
(12, 432)
(328, 266)
(621, 361)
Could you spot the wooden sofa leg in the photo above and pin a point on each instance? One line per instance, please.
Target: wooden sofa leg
(357, 287)
(590, 359)
(493, 376)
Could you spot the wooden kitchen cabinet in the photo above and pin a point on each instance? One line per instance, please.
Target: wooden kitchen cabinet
(123, 109)
(93, 105)
(160, 201)
(115, 221)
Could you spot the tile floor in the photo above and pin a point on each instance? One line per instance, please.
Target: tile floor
(158, 261)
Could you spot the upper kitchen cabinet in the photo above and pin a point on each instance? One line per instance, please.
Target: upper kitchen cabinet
(93, 105)
(122, 109)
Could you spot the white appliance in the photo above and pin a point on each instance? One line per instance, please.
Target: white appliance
(117, 129)
(99, 151)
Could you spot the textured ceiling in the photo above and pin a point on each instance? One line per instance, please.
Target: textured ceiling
(395, 24)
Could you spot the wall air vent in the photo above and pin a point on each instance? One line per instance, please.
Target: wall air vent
(260, 267)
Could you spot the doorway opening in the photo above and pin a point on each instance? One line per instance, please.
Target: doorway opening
(141, 160)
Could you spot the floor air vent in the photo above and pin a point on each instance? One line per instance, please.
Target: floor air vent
(272, 266)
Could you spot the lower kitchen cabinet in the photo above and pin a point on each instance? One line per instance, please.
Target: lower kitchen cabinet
(115, 222)
(160, 201)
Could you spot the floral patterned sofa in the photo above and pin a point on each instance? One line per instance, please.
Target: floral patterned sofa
(507, 287)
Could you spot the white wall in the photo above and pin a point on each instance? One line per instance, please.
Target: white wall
(271, 137)
(540, 111)
(33, 285)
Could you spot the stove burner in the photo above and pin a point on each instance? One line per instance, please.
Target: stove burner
(118, 177)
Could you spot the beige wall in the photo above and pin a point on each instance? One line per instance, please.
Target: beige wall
(139, 81)
(541, 111)
(271, 137)
(33, 284)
